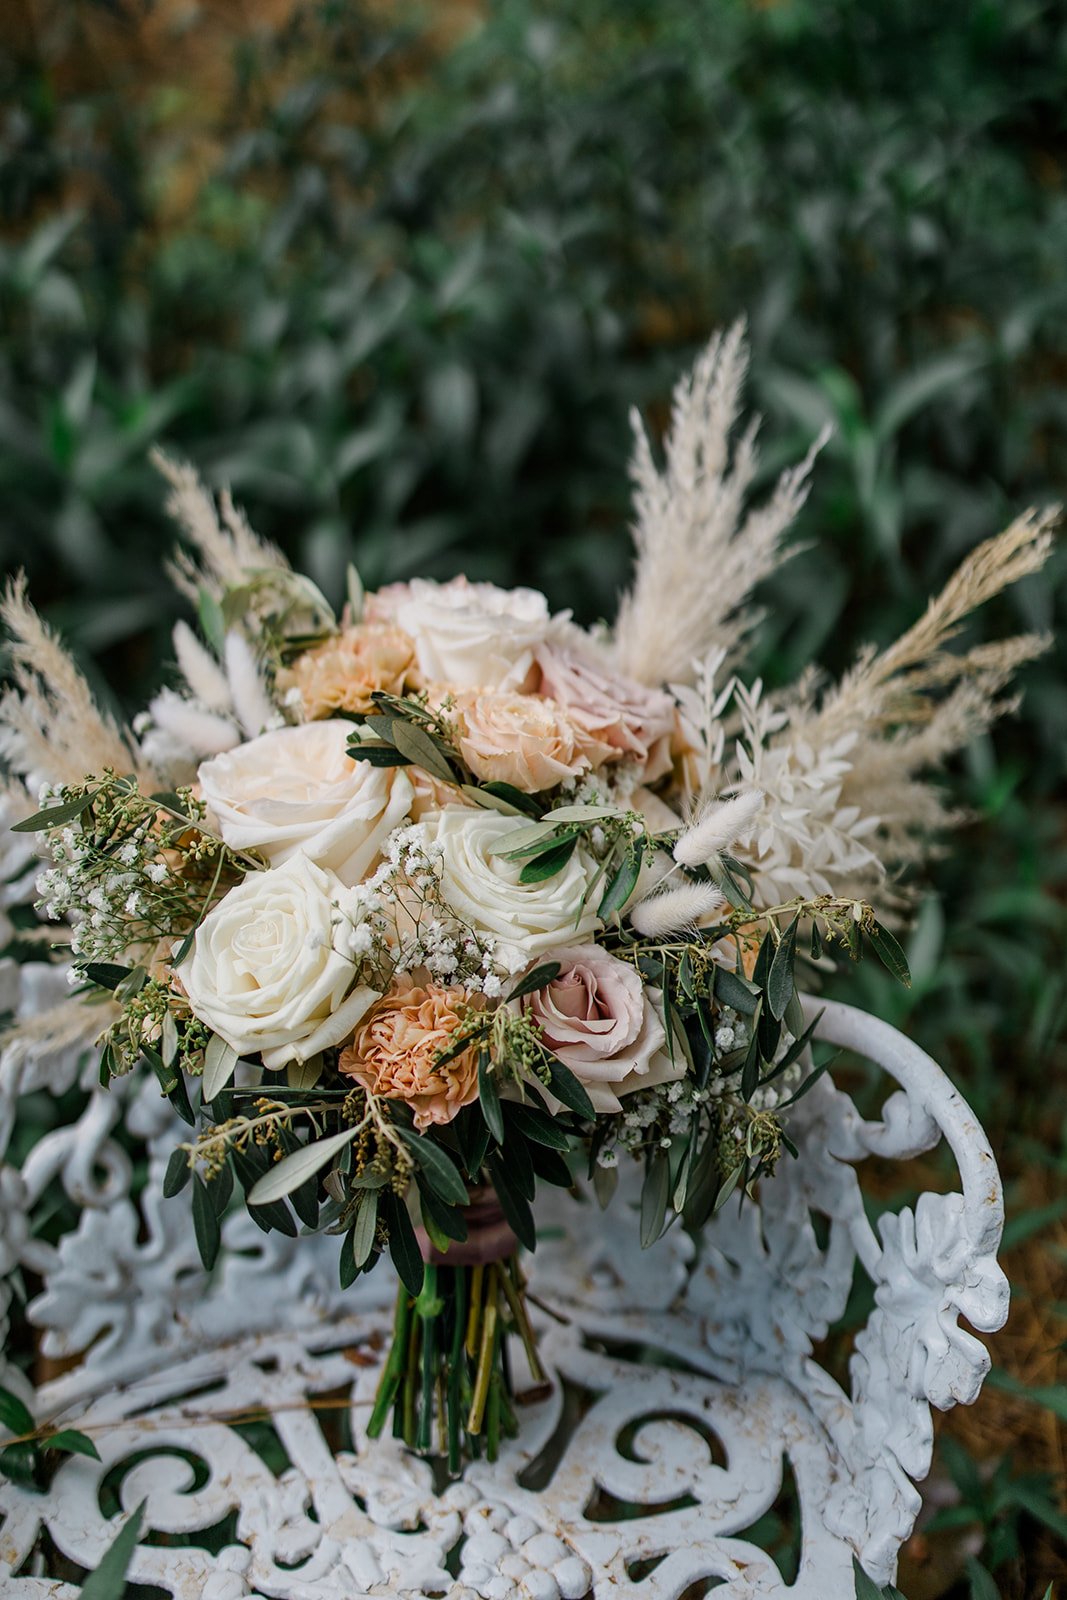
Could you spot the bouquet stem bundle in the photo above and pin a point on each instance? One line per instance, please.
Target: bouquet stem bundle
(447, 1380)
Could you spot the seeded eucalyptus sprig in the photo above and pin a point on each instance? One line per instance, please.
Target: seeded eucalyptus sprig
(740, 1028)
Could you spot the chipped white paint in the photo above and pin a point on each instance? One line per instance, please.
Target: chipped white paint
(696, 1443)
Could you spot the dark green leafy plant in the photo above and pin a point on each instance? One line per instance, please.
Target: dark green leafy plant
(30, 1457)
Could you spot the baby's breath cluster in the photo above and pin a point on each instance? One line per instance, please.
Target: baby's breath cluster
(398, 920)
(130, 869)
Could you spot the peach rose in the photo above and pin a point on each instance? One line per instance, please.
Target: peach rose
(394, 1051)
(522, 739)
(343, 672)
(632, 719)
(381, 605)
(598, 1018)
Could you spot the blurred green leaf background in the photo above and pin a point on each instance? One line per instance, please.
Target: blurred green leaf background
(398, 275)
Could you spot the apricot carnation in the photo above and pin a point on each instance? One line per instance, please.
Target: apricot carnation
(343, 672)
(395, 1049)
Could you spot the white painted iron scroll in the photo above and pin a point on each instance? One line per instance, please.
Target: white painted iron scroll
(687, 1396)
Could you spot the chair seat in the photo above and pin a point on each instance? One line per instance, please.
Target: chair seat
(646, 1471)
(688, 1416)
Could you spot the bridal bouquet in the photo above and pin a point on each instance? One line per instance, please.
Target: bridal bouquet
(415, 909)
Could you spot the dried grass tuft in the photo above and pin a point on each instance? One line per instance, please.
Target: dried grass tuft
(699, 557)
(50, 726)
(227, 548)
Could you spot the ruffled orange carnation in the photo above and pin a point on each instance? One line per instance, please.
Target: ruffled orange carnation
(342, 673)
(395, 1048)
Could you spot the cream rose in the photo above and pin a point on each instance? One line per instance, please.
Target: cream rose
(522, 739)
(484, 891)
(632, 719)
(473, 635)
(598, 1018)
(298, 789)
(263, 972)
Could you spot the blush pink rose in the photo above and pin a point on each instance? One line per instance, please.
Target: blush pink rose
(634, 720)
(598, 1018)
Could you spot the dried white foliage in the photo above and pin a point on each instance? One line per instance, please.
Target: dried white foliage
(228, 550)
(51, 729)
(806, 840)
(699, 557)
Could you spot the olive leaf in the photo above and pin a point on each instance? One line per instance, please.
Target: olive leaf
(297, 1168)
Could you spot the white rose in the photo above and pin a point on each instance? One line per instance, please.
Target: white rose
(484, 889)
(299, 789)
(263, 971)
(474, 635)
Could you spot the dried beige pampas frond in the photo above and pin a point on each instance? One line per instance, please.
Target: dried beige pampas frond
(697, 560)
(67, 1023)
(51, 728)
(892, 721)
(227, 547)
(891, 687)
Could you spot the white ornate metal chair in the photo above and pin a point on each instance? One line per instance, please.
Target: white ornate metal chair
(687, 1389)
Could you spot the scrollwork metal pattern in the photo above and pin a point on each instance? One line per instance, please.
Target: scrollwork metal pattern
(687, 1387)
